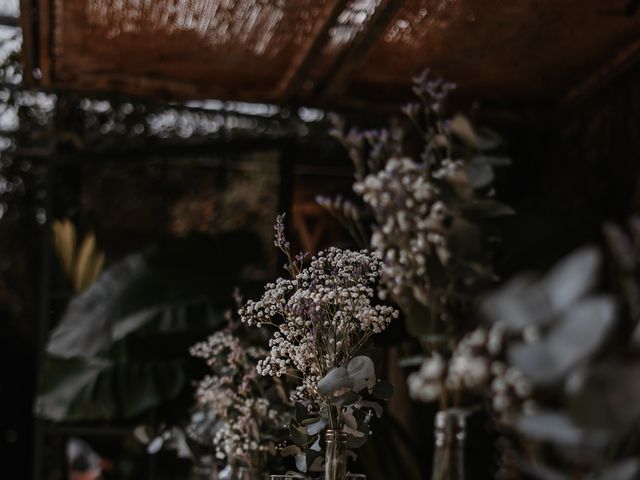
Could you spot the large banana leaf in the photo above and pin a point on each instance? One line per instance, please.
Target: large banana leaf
(122, 345)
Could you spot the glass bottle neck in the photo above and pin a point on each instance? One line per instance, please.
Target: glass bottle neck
(335, 462)
(450, 433)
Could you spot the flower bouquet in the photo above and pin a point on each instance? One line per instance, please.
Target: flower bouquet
(323, 318)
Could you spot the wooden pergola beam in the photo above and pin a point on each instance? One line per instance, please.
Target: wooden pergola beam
(618, 64)
(294, 79)
(336, 80)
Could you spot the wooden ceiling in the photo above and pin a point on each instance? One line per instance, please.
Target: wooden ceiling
(351, 53)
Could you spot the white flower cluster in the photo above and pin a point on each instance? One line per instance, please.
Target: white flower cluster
(241, 439)
(411, 222)
(475, 366)
(233, 393)
(322, 316)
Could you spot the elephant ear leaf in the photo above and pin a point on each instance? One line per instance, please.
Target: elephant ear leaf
(362, 372)
(75, 389)
(91, 370)
(71, 387)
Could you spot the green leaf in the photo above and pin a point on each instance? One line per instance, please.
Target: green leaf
(317, 464)
(335, 383)
(579, 334)
(573, 277)
(480, 176)
(559, 429)
(482, 209)
(68, 389)
(605, 396)
(375, 406)
(349, 398)
(628, 469)
(461, 127)
(93, 367)
(75, 389)
(383, 390)
(357, 441)
(290, 450)
(491, 161)
(298, 434)
(301, 462)
(316, 426)
(300, 412)
(362, 373)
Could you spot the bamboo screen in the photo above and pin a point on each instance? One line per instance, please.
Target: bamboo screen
(328, 52)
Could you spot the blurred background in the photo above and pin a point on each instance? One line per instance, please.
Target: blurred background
(147, 147)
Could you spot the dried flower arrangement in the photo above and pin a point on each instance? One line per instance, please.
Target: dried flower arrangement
(324, 318)
(250, 411)
(433, 208)
(558, 363)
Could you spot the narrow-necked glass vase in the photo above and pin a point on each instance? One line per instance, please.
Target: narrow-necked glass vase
(450, 433)
(237, 472)
(290, 476)
(335, 459)
(204, 471)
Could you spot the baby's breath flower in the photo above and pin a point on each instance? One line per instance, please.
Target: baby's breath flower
(322, 317)
(232, 392)
(411, 223)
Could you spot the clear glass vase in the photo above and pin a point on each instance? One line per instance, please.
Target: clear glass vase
(350, 476)
(335, 456)
(208, 471)
(448, 455)
(239, 473)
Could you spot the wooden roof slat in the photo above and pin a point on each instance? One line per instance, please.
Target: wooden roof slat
(293, 81)
(336, 80)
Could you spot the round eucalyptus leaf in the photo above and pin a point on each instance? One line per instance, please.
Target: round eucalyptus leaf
(155, 445)
(375, 406)
(348, 398)
(461, 127)
(301, 462)
(625, 470)
(560, 430)
(605, 396)
(581, 331)
(335, 383)
(577, 336)
(573, 277)
(362, 372)
(316, 427)
(298, 434)
(480, 176)
(290, 450)
(317, 464)
(383, 390)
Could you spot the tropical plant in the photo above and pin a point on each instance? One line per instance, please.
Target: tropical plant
(433, 209)
(121, 346)
(82, 262)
